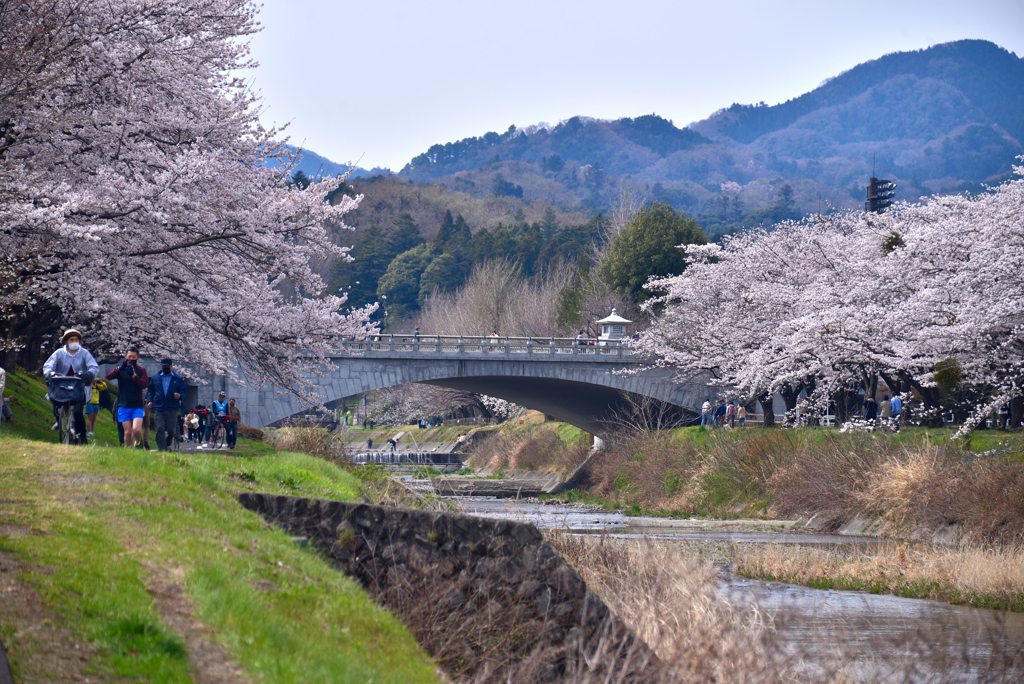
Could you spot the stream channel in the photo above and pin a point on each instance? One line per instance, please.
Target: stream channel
(887, 637)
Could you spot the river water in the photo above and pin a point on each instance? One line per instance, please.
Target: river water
(887, 638)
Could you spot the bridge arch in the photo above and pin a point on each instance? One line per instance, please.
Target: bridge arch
(581, 385)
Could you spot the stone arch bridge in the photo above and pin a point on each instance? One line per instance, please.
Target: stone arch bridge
(573, 382)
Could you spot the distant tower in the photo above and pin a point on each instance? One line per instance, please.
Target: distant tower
(880, 194)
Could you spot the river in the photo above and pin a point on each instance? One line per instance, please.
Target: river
(888, 638)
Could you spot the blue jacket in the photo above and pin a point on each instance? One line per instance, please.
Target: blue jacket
(162, 402)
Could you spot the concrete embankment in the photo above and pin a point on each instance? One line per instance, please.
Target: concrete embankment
(866, 525)
(485, 597)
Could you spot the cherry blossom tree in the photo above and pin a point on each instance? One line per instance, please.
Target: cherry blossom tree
(140, 194)
(830, 301)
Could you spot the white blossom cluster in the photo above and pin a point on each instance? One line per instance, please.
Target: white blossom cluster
(502, 410)
(832, 299)
(136, 193)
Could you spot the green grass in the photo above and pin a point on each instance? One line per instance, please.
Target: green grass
(103, 522)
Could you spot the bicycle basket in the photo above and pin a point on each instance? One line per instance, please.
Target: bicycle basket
(64, 389)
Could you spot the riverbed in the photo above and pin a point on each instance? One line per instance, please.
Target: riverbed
(888, 638)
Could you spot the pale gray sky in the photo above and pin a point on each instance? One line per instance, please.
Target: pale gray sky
(378, 82)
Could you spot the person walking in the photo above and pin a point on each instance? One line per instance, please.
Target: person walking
(705, 414)
(897, 410)
(741, 414)
(166, 389)
(870, 409)
(131, 379)
(885, 410)
(730, 414)
(92, 409)
(192, 426)
(204, 423)
(72, 359)
(234, 418)
(720, 416)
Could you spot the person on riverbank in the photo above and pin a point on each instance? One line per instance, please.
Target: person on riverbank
(885, 410)
(730, 415)
(897, 410)
(234, 418)
(92, 409)
(131, 379)
(741, 414)
(720, 415)
(705, 414)
(870, 410)
(72, 359)
(166, 390)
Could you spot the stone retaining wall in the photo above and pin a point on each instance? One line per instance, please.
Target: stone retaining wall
(489, 599)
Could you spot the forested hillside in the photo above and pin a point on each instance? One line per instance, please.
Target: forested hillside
(943, 119)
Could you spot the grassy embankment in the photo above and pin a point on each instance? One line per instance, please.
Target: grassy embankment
(916, 480)
(140, 566)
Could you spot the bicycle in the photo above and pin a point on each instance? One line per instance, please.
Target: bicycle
(219, 433)
(64, 391)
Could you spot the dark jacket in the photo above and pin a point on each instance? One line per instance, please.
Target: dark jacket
(129, 389)
(162, 402)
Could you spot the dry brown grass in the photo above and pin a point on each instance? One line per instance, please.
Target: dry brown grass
(909, 487)
(789, 473)
(538, 448)
(670, 597)
(315, 441)
(982, 576)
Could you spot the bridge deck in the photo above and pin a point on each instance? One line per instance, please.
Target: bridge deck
(459, 347)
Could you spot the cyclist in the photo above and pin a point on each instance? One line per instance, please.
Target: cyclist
(166, 389)
(131, 380)
(220, 414)
(72, 359)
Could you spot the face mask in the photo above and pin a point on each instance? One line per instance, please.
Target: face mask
(73, 346)
(167, 370)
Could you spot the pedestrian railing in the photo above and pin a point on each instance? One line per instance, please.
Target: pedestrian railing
(545, 347)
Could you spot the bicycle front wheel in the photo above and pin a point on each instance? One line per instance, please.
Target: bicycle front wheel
(66, 420)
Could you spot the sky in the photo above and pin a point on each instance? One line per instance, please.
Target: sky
(376, 83)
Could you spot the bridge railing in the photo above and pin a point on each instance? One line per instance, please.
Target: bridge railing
(549, 347)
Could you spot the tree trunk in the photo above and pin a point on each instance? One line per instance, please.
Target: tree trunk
(768, 410)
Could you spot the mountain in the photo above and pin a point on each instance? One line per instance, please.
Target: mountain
(945, 118)
(318, 166)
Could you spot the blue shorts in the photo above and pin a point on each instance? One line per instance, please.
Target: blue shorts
(127, 415)
(92, 408)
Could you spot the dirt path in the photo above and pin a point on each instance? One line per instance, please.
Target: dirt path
(210, 662)
(39, 648)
